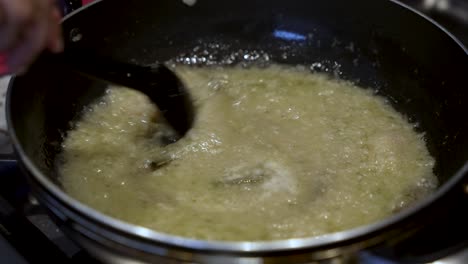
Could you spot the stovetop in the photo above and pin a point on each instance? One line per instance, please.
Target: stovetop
(27, 234)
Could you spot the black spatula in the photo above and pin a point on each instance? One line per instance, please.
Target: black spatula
(158, 82)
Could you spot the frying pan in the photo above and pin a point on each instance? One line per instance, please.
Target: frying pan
(378, 44)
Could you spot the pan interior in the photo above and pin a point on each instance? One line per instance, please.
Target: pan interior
(380, 46)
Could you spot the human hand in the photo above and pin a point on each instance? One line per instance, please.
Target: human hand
(27, 27)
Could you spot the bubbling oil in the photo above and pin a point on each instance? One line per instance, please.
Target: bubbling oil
(275, 153)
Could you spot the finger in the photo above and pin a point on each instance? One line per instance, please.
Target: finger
(55, 41)
(34, 41)
(16, 14)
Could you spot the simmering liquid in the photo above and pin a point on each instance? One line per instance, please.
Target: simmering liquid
(274, 153)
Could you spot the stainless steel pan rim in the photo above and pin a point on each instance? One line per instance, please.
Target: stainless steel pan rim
(222, 246)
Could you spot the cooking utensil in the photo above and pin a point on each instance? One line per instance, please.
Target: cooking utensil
(418, 66)
(159, 83)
